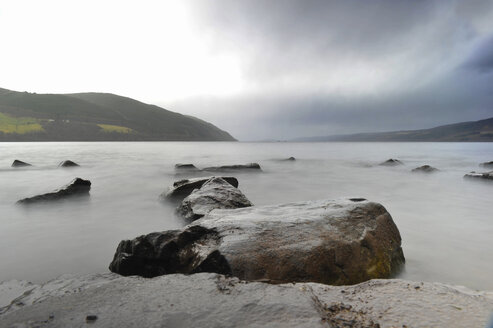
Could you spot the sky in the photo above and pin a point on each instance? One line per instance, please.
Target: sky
(263, 69)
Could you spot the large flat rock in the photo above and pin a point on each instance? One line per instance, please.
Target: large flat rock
(332, 241)
(211, 300)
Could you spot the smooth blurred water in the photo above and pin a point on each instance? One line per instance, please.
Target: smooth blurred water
(446, 222)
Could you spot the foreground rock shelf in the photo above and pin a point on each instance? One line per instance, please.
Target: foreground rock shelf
(212, 300)
(335, 242)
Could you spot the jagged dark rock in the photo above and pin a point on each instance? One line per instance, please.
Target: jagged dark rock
(18, 163)
(78, 187)
(332, 242)
(68, 163)
(216, 193)
(483, 176)
(183, 188)
(391, 162)
(425, 169)
(246, 167)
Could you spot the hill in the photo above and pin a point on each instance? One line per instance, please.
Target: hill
(466, 131)
(28, 116)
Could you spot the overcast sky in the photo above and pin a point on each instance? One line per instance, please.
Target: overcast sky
(263, 69)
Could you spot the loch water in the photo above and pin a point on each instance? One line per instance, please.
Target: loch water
(446, 222)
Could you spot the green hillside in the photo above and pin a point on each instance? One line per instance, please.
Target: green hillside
(95, 117)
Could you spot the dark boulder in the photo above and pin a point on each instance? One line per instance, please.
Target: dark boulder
(78, 187)
(18, 163)
(246, 167)
(216, 193)
(68, 163)
(183, 188)
(391, 162)
(425, 169)
(332, 242)
(483, 176)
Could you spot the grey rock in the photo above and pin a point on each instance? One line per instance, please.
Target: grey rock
(17, 163)
(183, 188)
(186, 167)
(78, 187)
(210, 300)
(334, 242)
(487, 164)
(425, 169)
(68, 163)
(482, 176)
(391, 162)
(216, 193)
(251, 167)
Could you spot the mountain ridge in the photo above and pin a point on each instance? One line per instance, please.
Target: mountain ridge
(93, 116)
(471, 131)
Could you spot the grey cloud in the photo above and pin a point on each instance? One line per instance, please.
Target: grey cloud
(436, 72)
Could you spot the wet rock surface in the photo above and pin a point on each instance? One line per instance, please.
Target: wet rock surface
(333, 242)
(183, 188)
(78, 187)
(68, 163)
(482, 176)
(17, 163)
(425, 169)
(216, 193)
(212, 300)
(391, 162)
(246, 167)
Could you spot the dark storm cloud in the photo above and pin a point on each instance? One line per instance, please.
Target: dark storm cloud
(482, 57)
(322, 67)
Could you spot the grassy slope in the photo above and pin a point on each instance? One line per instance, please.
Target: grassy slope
(100, 116)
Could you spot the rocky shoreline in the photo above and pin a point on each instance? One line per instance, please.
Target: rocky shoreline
(304, 264)
(213, 300)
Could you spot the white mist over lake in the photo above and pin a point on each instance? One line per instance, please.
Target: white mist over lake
(445, 221)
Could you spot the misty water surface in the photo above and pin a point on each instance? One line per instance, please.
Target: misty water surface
(445, 221)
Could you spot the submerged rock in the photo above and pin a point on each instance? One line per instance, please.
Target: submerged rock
(246, 167)
(78, 187)
(332, 242)
(186, 167)
(68, 163)
(216, 193)
(487, 164)
(18, 163)
(425, 169)
(391, 162)
(209, 300)
(484, 175)
(183, 188)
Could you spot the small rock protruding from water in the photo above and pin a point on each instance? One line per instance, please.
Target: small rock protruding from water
(425, 169)
(78, 187)
(214, 194)
(391, 162)
(487, 164)
(181, 166)
(241, 167)
(91, 318)
(484, 175)
(68, 163)
(18, 163)
(290, 159)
